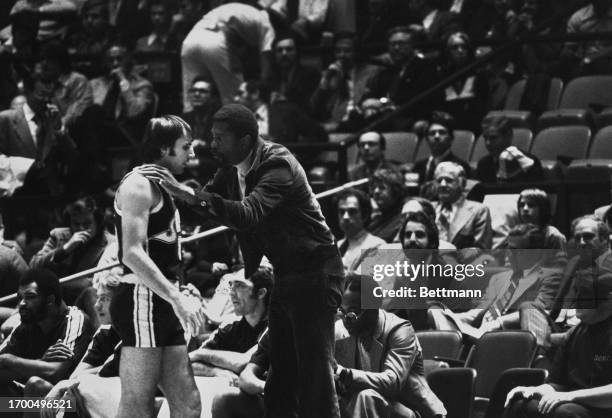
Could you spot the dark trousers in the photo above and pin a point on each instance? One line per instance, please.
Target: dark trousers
(529, 409)
(301, 327)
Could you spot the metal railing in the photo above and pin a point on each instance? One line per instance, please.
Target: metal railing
(191, 238)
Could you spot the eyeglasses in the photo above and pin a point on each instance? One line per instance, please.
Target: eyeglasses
(350, 211)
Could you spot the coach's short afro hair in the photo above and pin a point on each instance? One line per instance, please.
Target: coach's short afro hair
(240, 120)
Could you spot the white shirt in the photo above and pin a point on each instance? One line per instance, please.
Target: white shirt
(261, 113)
(29, 115)
(352, 257)
(243, 168)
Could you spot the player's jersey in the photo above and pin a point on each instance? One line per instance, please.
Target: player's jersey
(163, 232)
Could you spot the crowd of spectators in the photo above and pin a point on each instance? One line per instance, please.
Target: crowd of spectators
(79, 79)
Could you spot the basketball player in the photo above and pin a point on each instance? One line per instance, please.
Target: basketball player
(149, 311)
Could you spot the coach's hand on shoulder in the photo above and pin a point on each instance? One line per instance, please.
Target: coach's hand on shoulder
(190, 313)
(165, 179)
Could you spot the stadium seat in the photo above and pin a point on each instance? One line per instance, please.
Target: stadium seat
(463, 144)
(496, 352)
(513, 99)
(455, 388)
(601, 145)
(517, 118)
(570, 142)
(401, 146)
(440, 344)
(581, 96)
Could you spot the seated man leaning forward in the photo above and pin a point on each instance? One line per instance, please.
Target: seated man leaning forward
(380, 364)
(229, 349)
(48, 328)
(580, 380)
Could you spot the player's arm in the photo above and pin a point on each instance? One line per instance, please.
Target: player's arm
(13, 367)
(230, 360)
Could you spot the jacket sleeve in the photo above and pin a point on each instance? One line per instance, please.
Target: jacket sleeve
(272, 186)
(401, 354)
(483, 233)
(549, 288)
(51, 252)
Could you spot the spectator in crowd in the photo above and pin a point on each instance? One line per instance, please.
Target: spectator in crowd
(534, 207)
(417, 204)
(505, 162)
(437, 23)
(440, 136)
(372, 154)
(246, 400)
(12, 267)
(380, 364)
(468, 98)
(593, 56)
(93, 35)
(47, 325)
(342, 84)
(290, 80)
(126, 98)
(229, 349)
(407, 75)
(510, 295)
(53, 16)
(74, 248)
(160, 39)
(588, 252)
(73, 94)
(579, 381)
(205, 101)
(354, 209)
(387, 191)
(100, 362)
(218, 42)
(104, 343)
(35, 132)
(464, 223)
(281, 120)
(189, 13)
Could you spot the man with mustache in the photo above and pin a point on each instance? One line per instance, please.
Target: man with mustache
(48, 328)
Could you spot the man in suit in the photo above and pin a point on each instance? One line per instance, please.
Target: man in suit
(35, 132)
(510, 292)
(505, 162)
(462, 222)
(379, 369)
(580, 379)
(440, 139)
(289, 80)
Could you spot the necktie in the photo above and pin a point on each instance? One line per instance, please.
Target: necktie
(41, 128)
(499, 307)
(444, 219)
